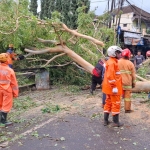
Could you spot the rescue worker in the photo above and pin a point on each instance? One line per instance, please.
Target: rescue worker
(12, 55)
(138, 60)
(128, 78)
(8, 89)
(103, 94)
(97, 75)
(112, 86)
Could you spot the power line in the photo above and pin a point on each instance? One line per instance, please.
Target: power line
(137, 10)
(100, 1)
(139, 3)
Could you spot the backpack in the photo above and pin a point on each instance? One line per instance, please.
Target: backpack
(98, 70)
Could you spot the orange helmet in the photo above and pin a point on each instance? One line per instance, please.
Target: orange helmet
(126, 52)
(3, 57)
(11, 45)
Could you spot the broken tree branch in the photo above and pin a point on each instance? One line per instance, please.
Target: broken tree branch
(75, 57)
(47, 41)
(78, 66)
(74, 32)
(49, 61)
(140, 78)
(61, 65)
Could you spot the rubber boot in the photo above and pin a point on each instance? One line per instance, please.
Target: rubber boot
(116, 121)
(1, 124)
(129, 111)
(4, 120)
(106, 116)
(91, 91)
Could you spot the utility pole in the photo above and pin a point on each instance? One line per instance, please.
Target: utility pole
(108, 5)
(112, 3)
(139, 20)
(122, 1)
(121, 4)
(117, 12)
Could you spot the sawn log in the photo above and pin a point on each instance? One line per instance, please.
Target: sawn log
(142, 86)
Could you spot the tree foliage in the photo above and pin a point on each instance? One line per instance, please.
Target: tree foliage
(67, 8)
(33, 7)
(20, 27)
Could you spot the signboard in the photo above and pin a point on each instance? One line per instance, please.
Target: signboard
(133, 38)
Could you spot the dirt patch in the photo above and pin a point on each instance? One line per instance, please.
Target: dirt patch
(72, 102)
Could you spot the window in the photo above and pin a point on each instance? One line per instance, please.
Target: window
(124, 25)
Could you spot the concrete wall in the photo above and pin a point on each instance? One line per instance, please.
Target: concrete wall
(131, 25)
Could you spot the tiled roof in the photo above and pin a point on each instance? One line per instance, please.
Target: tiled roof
(137, 11)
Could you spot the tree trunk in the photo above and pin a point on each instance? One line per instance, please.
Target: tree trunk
(142, 87)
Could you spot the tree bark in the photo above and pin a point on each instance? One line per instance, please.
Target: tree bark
(75, 57)
(140, 78)
(142, 87)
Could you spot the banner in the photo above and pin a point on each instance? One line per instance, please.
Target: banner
(133, 38)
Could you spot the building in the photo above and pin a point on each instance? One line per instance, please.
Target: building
(135, 25)
(134, 19)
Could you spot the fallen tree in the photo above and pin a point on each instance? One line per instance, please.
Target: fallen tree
(83, 46)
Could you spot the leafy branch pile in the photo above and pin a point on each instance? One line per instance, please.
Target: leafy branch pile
(49, 42)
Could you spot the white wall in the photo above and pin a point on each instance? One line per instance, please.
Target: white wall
(128, 19)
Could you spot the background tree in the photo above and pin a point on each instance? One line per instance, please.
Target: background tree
(45, 8)
(58, 5)
(84, 3)
(67, 8)
(42, 9)
(51, 7)
(33, 7)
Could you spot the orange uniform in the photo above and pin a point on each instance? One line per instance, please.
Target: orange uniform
(112, 79)
(8, 87)
(12, 57)
(127, 70)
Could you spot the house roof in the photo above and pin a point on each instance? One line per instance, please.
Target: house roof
(137, 11)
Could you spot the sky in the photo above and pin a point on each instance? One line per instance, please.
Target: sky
(101, 5)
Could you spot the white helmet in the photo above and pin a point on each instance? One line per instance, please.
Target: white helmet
(112, 49)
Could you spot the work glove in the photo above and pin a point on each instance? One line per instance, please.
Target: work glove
(21, 57)
(115, 90)
(133, 85)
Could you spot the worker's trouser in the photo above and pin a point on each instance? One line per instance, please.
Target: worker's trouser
(127, 100)
(95, 81)
(103, 98)
(112, 104)
(6, 101)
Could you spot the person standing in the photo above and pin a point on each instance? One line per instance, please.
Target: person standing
(8, 89)
(112, 86)
(127, 70)
(138, 60)
(97, 75)
(12, 55)
(103, 94)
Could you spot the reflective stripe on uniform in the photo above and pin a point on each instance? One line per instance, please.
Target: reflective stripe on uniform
(107, 111)
(127, 99)
(118, 72)
(111, 81)
(127, 87)
(4, 81)
(15, 88)
(134, 81)
(115, 112)
(125, 71)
